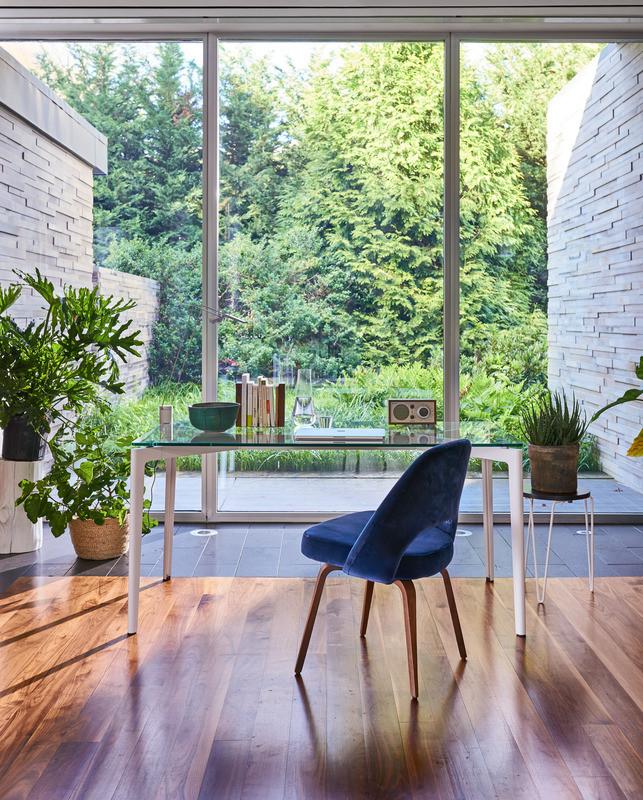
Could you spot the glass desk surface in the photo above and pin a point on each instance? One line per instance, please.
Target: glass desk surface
(183, 434)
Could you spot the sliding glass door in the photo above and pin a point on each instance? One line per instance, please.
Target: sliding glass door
(326, 185)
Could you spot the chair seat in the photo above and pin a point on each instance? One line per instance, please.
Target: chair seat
(331, 541)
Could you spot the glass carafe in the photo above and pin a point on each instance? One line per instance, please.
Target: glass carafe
(303, 412)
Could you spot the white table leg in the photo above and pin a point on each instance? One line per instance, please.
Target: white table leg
(487, 513)
(137, 492)
(168, 519)
(593, 530)
(514, 463)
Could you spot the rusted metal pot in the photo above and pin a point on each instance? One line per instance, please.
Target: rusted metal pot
(554, 470)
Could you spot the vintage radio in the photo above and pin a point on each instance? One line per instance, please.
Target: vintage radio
(411, 412)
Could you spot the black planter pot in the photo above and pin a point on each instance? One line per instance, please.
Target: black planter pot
(20, 442)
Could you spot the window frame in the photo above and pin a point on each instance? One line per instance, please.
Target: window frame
(452, 34)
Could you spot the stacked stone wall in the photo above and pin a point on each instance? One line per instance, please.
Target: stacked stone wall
(46, 204)
(595, 246)
(144, 292)
(46, 198)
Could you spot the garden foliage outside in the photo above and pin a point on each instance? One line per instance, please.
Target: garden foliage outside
(331, 214)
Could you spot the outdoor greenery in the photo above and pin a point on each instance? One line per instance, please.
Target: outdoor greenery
(331, 215)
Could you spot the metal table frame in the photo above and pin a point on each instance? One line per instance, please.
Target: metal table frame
(141, 455)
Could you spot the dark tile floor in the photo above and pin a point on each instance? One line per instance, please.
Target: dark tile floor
(273, 550)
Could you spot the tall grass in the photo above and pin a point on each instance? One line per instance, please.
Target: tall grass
(135, 417)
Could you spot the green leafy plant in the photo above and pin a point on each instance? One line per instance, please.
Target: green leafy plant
(54, 367)
(88, 480)
(552, 421)
(636, 448)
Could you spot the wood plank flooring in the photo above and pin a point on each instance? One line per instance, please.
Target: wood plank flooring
(203, 703)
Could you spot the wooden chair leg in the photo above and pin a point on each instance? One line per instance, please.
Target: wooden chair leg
(454, 614)
(324, 571)
(366, 608)
(410, 623)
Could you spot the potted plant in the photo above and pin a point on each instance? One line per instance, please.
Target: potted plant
(554, 429)
(636, 448)
(87, 489)
(53, 368)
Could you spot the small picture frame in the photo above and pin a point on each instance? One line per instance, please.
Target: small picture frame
(411, 412)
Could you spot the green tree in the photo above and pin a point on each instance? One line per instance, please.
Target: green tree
(520, 79)
(369, 130)
(331, 213)
(148, 104)
(176, 345)
(250, 132)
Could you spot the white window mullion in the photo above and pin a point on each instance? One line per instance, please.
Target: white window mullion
(210, 256)
(452, 229)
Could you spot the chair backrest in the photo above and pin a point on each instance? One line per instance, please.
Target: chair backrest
(426, 496)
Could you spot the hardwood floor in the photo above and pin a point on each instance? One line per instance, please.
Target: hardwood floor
(203, 703)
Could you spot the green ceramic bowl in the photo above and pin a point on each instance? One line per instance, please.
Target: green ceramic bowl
(213, 416)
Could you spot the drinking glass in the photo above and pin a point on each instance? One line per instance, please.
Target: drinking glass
(303, 412)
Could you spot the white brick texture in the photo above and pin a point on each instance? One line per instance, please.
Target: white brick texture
(595, 219)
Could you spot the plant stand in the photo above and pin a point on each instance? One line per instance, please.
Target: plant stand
(17, 533)
(588, 501)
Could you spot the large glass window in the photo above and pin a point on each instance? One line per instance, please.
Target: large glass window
(549, 166)
(330, 251)
(130, 221)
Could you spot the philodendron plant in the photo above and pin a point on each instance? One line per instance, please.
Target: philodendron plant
(52, 368)
(636, 448)
(88, 480)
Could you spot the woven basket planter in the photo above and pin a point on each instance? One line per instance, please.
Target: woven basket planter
(99, 542)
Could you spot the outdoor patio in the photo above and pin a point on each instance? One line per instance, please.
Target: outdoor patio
(304, 492)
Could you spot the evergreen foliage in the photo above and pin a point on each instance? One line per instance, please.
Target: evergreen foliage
(331, 207)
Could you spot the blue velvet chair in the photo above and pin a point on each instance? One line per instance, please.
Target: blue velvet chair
(409, 536)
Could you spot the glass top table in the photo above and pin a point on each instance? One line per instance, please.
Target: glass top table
(489, 441)
(183, 434)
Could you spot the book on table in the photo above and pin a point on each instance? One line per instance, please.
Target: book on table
(262, 403)
(339, 435)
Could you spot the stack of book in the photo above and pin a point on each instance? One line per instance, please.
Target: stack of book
(262, 404)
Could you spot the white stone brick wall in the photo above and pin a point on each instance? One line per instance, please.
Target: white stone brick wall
(145, 292)
(595, 246)
(46, 205)
(45, 211)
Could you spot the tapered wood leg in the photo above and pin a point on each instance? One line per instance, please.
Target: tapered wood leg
(454, 613)
(325, 570)
(366, 608)
(410, 624)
